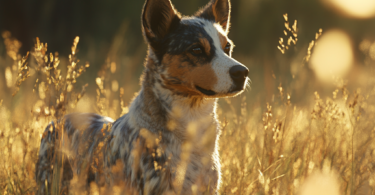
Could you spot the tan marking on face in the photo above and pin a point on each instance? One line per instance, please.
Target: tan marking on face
(206, 45)
(176, 70)
(203, 76)
(189, 76)
(181, 88)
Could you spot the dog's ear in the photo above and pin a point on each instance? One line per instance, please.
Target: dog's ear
(217, 11)
(158, 17)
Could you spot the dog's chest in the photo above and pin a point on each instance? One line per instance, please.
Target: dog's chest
(191, 165)
(191, 159)
(184, 147)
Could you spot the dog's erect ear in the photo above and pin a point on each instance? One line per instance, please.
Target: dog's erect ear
(217, 11)
(158, 18)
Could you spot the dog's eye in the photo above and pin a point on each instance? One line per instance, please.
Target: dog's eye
(197, 50)
(227, 48)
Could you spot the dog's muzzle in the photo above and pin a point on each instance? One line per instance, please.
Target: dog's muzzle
(238, 73)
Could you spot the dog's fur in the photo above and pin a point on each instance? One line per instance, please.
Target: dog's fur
(168, 142)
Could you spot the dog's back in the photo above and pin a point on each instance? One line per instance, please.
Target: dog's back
(80, 135)
(96, 150)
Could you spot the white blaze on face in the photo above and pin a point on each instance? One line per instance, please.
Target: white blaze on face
(221, 63)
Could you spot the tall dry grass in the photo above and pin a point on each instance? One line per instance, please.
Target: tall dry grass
(324, 146)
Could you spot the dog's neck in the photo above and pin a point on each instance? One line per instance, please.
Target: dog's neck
(159, 109)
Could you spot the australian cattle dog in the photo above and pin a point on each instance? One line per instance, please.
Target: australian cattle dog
(168, 141)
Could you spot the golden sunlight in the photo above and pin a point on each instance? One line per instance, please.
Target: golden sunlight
(8, 77)
(355, 8)
(333, 56)
(320, 183)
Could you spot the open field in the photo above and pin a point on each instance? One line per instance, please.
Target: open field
(276, 148)
(297, 131)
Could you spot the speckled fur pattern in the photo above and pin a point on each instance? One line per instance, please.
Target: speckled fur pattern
(168, 141)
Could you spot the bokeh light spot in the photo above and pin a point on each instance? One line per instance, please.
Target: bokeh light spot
(8, 77)
(333, 56)
(115, 86)
(355, 8)
(372, 51)
(320, 183)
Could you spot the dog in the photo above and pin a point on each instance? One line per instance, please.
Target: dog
(168, 141)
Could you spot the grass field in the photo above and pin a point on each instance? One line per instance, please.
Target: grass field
(324, 145)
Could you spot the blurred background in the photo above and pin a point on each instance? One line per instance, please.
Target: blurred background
(110, 31)
(311, 60)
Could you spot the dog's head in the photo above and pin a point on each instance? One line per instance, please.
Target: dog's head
(192, 55)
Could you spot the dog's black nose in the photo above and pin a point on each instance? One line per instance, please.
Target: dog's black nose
(239, 74)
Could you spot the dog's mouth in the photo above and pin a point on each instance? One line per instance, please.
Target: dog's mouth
(233, 91)
(205, 91)
(239, 87)
(236, 89)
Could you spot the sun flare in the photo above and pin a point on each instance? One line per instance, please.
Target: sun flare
(355, 8)
(333, 56)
